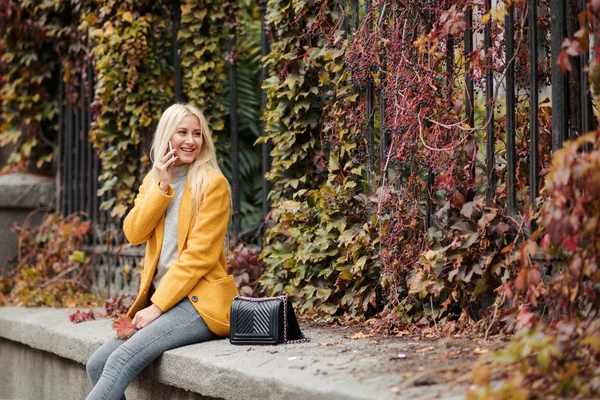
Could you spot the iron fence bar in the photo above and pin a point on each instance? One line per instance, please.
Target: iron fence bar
(83, 138)
(176, 17)
(533, 104)
(76, 157)
(560, 113)
(470, 92)
(370, 126)
(58, 161)
(509, 32)
(89, 155)
(574, 126)
(68, 159)
(428, 192)
(95, 159)
(344, 21)
(584, 99)
(266, 146)
(354, 11)
(489, 109)
(469, 89)
(383, 139)
(370, 97)
(235, 160)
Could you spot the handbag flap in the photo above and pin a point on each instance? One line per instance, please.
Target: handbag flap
(256, 321)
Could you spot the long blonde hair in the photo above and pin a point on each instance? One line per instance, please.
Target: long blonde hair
(206, 160)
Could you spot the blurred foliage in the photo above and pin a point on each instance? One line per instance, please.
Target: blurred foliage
(556, 351)
(247, 270)
(51, 269)
(543, 363)
(27, 102)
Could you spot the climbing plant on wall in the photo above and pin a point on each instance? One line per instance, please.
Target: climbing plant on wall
(321, 249)
(133, 85)
(26, 68)
(40, 39)
(339, 244)
(202, 62)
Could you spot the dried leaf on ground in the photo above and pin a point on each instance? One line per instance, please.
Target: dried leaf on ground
(360, 335)
(79, 316)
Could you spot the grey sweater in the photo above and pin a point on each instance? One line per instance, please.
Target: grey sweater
(168, 252)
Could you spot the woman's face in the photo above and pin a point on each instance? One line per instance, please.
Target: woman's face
(187, 140)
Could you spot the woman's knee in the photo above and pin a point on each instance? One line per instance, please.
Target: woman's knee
(94, 366)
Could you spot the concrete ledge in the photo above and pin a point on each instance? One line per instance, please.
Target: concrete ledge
(23, 190)
(329, 367)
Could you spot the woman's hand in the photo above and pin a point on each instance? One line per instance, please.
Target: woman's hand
(163, 169)
(143, 317)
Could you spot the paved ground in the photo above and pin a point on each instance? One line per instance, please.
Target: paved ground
(338, 363)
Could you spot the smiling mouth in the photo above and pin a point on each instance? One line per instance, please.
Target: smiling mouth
(187, 150)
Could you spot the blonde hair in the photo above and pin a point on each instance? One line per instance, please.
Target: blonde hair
(206, 160)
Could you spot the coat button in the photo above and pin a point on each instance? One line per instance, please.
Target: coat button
(194, 299)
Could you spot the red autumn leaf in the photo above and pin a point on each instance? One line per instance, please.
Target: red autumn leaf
(570, 242)
(79, 316)
(521, 280)
(525, 318)
(563, 61)
(508, 291)
(546, 242)
(575, 267)
(594, 7)
(123, 326)
(533, 277)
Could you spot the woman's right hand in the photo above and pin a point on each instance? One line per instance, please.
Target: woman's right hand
(163, 169)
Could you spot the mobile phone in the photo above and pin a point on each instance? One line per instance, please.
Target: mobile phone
(171, 149)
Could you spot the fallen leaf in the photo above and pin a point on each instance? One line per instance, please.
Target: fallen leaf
(360, 335)
(123, 326)
(482, 376)
(79, 316)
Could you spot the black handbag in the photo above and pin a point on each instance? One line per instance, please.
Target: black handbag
(265, 320)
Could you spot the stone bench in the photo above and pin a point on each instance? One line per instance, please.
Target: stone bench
(43, 356)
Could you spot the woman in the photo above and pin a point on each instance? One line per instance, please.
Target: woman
(181, 212)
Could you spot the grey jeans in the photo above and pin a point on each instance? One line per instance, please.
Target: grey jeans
(114, 365)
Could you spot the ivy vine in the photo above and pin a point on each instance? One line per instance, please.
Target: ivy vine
(133, 86)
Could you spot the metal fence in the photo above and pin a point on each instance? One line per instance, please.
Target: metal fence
(78, 164)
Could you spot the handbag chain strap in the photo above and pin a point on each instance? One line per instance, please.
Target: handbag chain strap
(283, 298)
(303, 339)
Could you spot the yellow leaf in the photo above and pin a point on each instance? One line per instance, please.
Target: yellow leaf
(200, 14)
(119, 210)
(345, 275)
(482, 375)
(486, 17)
(361, 262)
(360, 335)
(127, 16)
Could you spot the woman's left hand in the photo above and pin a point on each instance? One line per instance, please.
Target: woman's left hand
(143, 317)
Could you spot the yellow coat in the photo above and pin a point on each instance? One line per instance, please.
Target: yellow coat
(200, 269)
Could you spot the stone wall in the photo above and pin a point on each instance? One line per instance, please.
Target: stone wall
(20, 194)
(33, 374)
